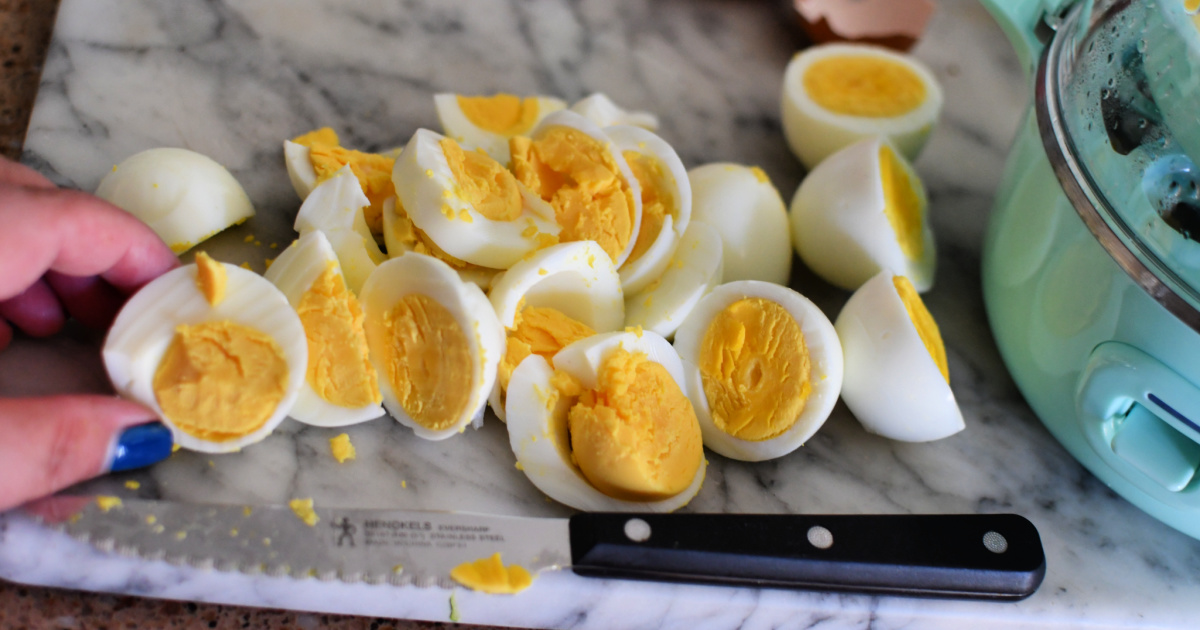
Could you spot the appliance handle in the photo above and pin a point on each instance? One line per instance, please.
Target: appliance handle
(1028, 25)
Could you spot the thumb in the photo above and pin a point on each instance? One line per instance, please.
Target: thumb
(48, 443)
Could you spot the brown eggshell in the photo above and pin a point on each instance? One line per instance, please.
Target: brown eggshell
(896, 24)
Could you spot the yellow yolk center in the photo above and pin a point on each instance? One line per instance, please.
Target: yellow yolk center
(491, 576)
(861, 85)
(502, 114)
(578, 176)
(755, 369)
(210, 278)
(923, 321)
(483, 182)
(636, 437)
(901, 204)
(657, 201)
(542, 331)
(220, 380)
(374, 171)
(428, 362)
(339, 369)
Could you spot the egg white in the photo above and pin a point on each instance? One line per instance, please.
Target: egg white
(296, 157)
(750, 217)
(600, 109)
(455, 124)
(694, 270)
(337, 204)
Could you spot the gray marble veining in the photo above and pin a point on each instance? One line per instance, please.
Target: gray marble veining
(233, 79)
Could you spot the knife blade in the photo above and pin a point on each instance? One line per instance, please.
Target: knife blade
(977, 556)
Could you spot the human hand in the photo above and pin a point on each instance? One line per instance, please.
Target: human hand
(65, 253)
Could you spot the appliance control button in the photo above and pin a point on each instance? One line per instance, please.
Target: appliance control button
(1157, 449)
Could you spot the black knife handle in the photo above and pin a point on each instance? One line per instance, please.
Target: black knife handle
(978, 556)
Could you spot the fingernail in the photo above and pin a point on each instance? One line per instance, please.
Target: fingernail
(141, 446)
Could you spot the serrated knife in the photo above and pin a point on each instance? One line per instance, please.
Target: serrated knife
(978, 556)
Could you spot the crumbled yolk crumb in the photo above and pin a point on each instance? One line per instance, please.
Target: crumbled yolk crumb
(902, 204)
(483, 182)
(210, 278)
(339, 366)
(491, 576)
(342, 448)
(926, 327)
(861, 85)
(132, 485)
(374, 171)
(107, 503)
(657, 201)
(502, 114)
(304, 511)
(427, 361)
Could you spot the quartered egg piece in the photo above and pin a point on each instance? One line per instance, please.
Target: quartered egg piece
(694, 270)
(746, 210)
(837, 94)
(340, 385)
(601, 109)
(570, 163)
(764, 368)
(897, 381)
(592, 429)
(185, 197)
(555, 297)
(487, 122)
(220, 366)
(434, 341)
(860, 211)
(666, 203)
(468, 205)
(402, 236)
(318, 155)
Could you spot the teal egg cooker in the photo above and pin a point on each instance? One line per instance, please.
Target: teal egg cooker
(1091, 266)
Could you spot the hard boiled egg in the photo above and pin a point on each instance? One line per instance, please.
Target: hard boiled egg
(863, 210)
(340, 385)
(764, 368)
(214, 350)
(601, 109)
(837, 94)
(318, 155)
(693, 271)
(747, 212)
(435, 342)
(897, 381)
(185, 197)
(487, 122)
(608, 425)
(336, 207)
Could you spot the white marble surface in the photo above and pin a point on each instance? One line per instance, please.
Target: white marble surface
(232, 79)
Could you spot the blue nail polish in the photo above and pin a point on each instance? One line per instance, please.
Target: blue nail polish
(141, 446)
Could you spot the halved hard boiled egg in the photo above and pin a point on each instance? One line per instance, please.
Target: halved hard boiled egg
(340, 385)
(185, 197)
(487, 122)
(837, 94)
(214, 350)
(764, 368)
(746, 210)
(570, 163)
(897, 381)
(336, 208)
(600, 109)
(861, 211)
(318, 155)
(468, 204)
(435, 342)
(607, 425)
(401, 235)
(693, 271)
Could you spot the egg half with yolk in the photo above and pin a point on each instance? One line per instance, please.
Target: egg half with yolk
(745, 208)
(401, 235)
(316, 156)
(861, 211)
(897, 379)
(693, 271)
(607, 425)
(214, 350)
(487, 122)
(764, 368)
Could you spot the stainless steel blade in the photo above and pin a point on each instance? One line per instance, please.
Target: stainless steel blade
(376, 546)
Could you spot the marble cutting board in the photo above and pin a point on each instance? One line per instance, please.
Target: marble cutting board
(233, 79)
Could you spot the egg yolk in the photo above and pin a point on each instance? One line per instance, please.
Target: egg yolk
(901, 203)
(657, 201)
(491, 576)
(502, 114)
(636, 437)
(482, 182)
(542, 331)
(220, 380)
(863, 85)
(339, 370)
(578, 176)
(755, 368)
(923, 321)
(210, 278)
(303, 509)
(374, 171)
(428, 361)
(342, 448)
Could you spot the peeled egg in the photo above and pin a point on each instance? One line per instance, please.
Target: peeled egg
(763, 368)
(468, 204)
(335, 207)
(861, 211)
(185, 197)
(601, 109)
(318, 155)
(435, 343)
(340, 385)
(666, 203)
(608, 425)
(402, 236)
(746, 210)
(487, 122)
(214, 350)
(693, 271)
(837, 94)
(897, 381)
